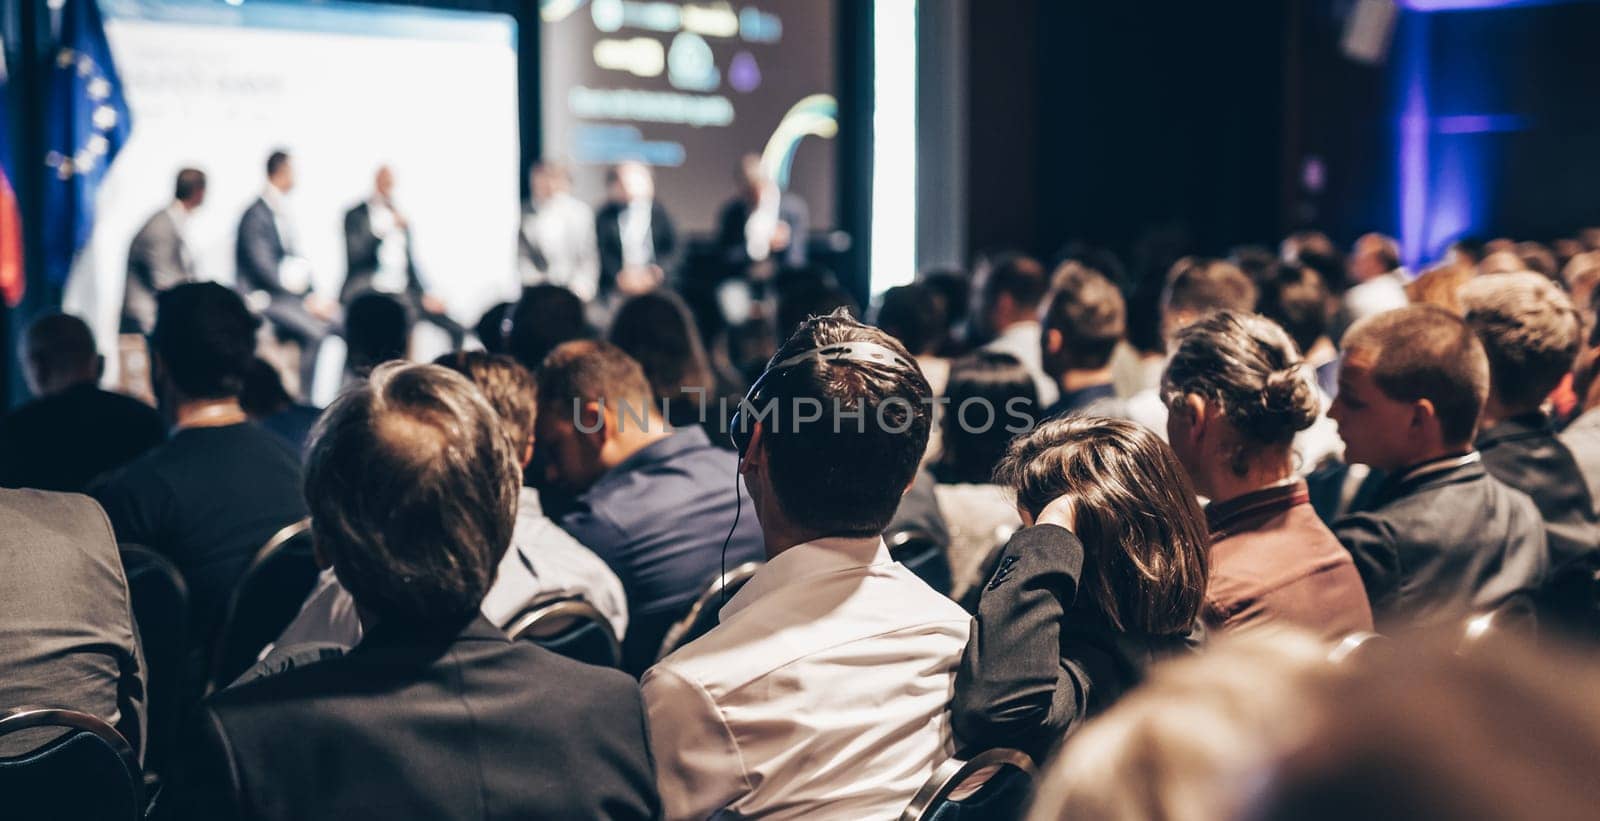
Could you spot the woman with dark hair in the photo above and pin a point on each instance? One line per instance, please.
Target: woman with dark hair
(1237, 393)
(657, 329)
(990, 398)
(1107, 576)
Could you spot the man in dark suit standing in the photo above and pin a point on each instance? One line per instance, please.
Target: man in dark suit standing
(377, 241)
(159, 258)
(436, 714)
(638, 244)
(762, 224)
(276, 279)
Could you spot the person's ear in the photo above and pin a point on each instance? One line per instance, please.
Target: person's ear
(1423, 415)
(754, 452)
(591, 420)
(527, 454)
(1053, 340)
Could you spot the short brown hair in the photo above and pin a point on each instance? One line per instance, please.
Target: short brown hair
(589, 370)
(1530, 332)
(1088, 310)
(1144, 536)
(507, 385)
(413, 483)
(1427, 352)
(1204, 285)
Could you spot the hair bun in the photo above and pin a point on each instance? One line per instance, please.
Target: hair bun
(1288, 401)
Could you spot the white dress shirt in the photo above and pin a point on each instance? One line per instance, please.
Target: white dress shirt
(1023, 341)
(543, 561)
(561, 229)
(823, 694)
(294, 271)
(638, 249)
(1381, 293)
(393, 255)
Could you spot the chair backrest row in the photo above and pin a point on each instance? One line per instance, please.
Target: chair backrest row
(269, 594)
(994, 785)
(87, 771)
(703, 614)
(569, 627)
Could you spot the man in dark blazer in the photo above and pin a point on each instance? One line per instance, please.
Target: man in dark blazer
(436, 714)
(67, 638)
(377, 241)
(761, 224)
(1532, 333)
(158, 258)
(638, 243)
(1442, 538)
(275, 278)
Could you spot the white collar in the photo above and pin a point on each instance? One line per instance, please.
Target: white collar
(809, 560)
(272, 197)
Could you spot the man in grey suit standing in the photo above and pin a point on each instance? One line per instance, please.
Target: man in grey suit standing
(275, 279)
(159, 258)
(67, 638)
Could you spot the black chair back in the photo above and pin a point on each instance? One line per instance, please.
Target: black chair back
(569, 627)
(268, 596)
(922, 556)
(994, 785)
(87, 771)
(160, 602)
(703, 614)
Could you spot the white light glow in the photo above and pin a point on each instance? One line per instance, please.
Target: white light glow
(894, 144)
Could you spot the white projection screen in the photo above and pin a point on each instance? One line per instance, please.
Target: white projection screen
(345, 87)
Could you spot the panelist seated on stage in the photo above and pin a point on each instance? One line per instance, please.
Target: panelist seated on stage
(638, 244)
(377, 241)
(556, 245)
(762, 223)
(158, 257)
(273, 274)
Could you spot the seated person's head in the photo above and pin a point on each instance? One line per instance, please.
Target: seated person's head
(491, 327)
(1236, 395)
(263, 394)
(1083, 320)
(991, 397)
(954, 286)
(834, 443)
(1295, 297)
(657, 330)
(1198, 286)
(1372, 256)
(412, 481)
(204, 343)
(1531, 334)
(508, 386)
(545, 316)
(1010, 291)
(1144, 537)
(1190, 741)
(1411, 387)
(58, 353)
(596, 408)
(915, 315)
(376, 330)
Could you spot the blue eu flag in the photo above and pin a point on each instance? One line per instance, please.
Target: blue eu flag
(86, 123)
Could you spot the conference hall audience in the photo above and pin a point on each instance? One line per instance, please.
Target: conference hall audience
(1238, 393)
(1107, 576)
(414, 481)
(67, 636)
(269, 405)
(660, 504)
(72, 431)
(1441, 538)
(545, 316)
(1377, 279)
(823, 691)
(1582, 435)
(377, 329)
(1295, 296)
(212, 495)
(976, 429)
(916, 315)
(1083, 320)
(1531, 334)
(543, 562)
(1009, 293)
(657, 330)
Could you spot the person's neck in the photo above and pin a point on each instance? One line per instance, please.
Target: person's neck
(1225, 485)
(1494, 412)
(1075, 380)
(621, 447)
(1434, 454)
(782, 537)
(209, 413)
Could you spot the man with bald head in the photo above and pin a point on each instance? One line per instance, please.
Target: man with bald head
(377, 241)
(72, 431)
(1442, 538)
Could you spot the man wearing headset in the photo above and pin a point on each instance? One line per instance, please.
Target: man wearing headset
(822, 692)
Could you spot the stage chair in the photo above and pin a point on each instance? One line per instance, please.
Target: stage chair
(921, 556)
(268, 596)
(88, 772)
(703, 614)
(568, 627)
(994, 785)
(160, 602)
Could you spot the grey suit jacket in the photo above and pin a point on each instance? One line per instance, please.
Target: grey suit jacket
(259, 250)
(67, 637)
(157, 260)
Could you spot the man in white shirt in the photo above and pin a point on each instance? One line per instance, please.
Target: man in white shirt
(822, 692)
(557, 244)
(1010, 293)
(377, 241)
(543, 560)
(1380, 282)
